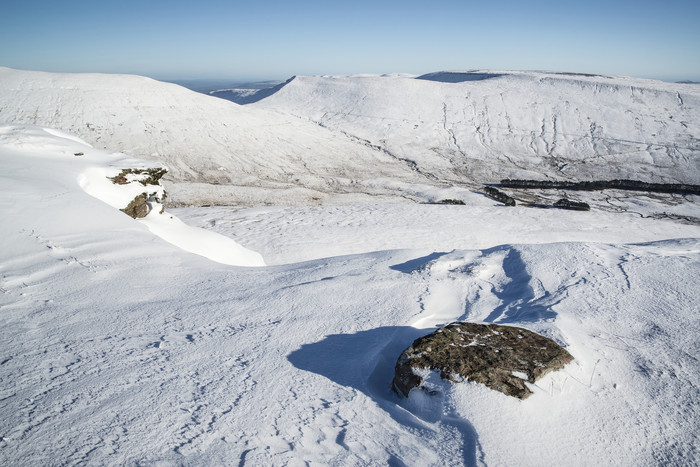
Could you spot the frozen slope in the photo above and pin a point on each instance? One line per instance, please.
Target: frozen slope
(216, 151)
(118, 348)
(484, 126)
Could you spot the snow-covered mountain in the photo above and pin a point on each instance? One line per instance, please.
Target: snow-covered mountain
(329, 139)
(216, 151)
(483, 125)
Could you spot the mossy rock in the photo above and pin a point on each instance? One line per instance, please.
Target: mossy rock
(138, 207)
(501, 357)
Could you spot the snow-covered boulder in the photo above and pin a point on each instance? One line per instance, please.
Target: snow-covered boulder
(503, 358)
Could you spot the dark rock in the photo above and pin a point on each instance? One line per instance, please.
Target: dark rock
(572, 205)
(138, 207)
(499, 196)
(150, 176)
(458, 202)
(484, 353)
(623, 184)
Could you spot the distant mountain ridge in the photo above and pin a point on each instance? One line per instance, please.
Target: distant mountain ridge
(487, 125)
(217, 152)
(312, 140)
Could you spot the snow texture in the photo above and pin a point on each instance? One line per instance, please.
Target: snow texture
(120, 348)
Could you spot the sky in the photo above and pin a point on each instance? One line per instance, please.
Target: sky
(273, 39)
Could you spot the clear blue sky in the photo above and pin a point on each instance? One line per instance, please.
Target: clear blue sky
(277, 39)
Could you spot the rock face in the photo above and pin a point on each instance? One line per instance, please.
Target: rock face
(572, 205)
(624, 184)
(499, 196)
(138, 207)
(501, 357)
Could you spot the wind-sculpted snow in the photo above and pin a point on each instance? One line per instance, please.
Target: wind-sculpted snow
(216, 151)
(119, 348)
(484, 126)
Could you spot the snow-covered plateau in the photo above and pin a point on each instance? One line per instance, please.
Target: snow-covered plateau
(267, 335)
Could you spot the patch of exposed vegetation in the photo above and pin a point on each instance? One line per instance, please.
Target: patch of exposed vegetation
(501, 357)
(148, 176)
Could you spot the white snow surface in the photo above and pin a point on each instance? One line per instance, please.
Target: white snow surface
(118, 348)
(482, 126)
(52, 154)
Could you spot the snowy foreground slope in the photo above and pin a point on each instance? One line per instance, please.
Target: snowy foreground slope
(119, 348)
(485, 126)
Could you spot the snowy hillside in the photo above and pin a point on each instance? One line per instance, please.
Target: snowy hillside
(120, 348)
(216, 151)
(485, 126)
(363, 138)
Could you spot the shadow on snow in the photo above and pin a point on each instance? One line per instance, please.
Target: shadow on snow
(365, 360)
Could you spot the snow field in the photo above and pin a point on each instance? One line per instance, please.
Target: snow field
(121, 348)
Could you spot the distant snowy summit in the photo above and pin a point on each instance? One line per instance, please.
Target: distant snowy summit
(327, 139)
(485, 125)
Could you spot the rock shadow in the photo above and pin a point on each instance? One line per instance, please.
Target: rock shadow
(415, 264)
(365, 362)
(518, 300)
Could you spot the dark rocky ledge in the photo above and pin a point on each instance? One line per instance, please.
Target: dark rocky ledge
(501, 357)
(572, 205)
(499, 196)
(623, 184)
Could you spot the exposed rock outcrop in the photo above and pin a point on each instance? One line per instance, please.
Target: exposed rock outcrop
(143, 203)
(145, 177)
(501, 357)
(499, 196)
(138, 207)
(623, 184)
(456, 202)
(572, 205)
